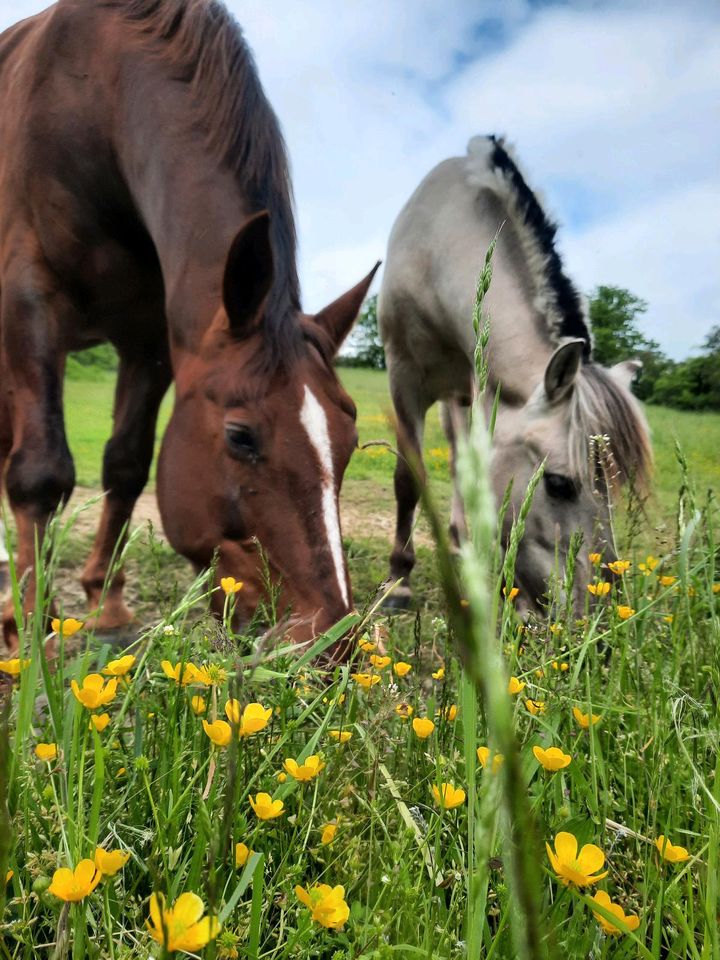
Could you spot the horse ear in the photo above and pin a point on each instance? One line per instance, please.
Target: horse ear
(562, 369)
(626, 371)
(339, 316)
(248, 274)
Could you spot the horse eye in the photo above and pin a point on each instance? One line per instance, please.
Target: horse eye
(242, 441)
(560, 487)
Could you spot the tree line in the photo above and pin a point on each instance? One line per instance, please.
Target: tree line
(691, 384)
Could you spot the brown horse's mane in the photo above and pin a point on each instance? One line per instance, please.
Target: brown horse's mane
(203, 45)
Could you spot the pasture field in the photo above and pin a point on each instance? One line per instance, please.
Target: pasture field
(361, 811)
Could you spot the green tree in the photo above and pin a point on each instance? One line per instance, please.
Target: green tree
(364, 347)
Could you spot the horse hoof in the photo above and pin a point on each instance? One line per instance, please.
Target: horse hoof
(400, 599)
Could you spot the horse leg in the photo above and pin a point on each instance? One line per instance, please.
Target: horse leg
(410, 409)
(5, 444)
(455, 419)
(143, 379)
(40, 474)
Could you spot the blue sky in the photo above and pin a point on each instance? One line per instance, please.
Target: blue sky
(614, 110)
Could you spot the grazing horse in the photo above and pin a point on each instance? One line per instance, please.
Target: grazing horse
(553, 398)
(146, 201)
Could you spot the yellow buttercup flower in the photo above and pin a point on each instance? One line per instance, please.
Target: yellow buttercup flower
(99, 721)
(625, 612)
(366, 680)
(586, 719)
(447, 796)
(242, 854)
(670, 853)
(66, 627)
(46, 751)
(182, 673)
(219, 732)
(716, 588)
(281, 777)
(669, 618)
(601, 589)
(182, 926)
(631, 920)
(9, 875)
(401, 668)
(121, 773)
(666, 580)
(515, 686)
(367, 646)
(404, 711)
(619, 567)
(649, 565)
(254, 717)
(483, 755)
(326, 904)
(423, 727)
(328, 833)
(449, 713)
(198, 705)
(230, 585)
(109, 862)
(307, 770)
(380, 662)
(535, 707)
(551, 759)
(14, 667)
(511, 594)
(573, 867)
(439, 674)
(594, 558)
(560, 665)
(265, 807)
(342, 736)
(95, 692)
(74, 885)
(118, 668)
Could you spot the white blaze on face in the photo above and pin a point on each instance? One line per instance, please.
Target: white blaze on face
(314, 421)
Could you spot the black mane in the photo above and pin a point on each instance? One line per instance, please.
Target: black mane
(567, 298)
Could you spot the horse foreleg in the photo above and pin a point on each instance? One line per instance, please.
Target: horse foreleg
(410, 409)
(142, 382)
(455, 418)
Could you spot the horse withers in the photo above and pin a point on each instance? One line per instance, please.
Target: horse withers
(554, 400)
(146, 201)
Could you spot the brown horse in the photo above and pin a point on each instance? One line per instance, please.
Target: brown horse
(137, 142)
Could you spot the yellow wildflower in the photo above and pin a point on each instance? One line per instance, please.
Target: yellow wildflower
(483, 755)
(328, 833)
(66, 627)
(650, 563)
(230, 585)
(560, 665)
(182, 673)
(46, 751)
(367, 646)
(401, 668)
(619, 567)
(182, 926)
(307, 770)
(242, 854)
(366, 680)
(594, 558)
(535, 707)
(74, 885)
(585, 719)
(447, 796)
(666, 580)
(219, 732)
(552, 759)
(511, 594)
(670, 853)
(281, 777)
(439, 674)
(109, 862)
(515, 685)
(423, 727)
(9, 875)
(265, 807)
(14, 667)
(342, 736)
(119, 667)
(625, 612)
(573, 867)
(449, 713)
(99, 721)
(631, 920)
(198, 705)
(380, 662)
(95, 692)
(601, 589)
(254, 717)
(326, 904)
(404, 711)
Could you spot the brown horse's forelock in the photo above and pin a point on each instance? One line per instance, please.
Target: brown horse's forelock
(203, 46)
(601, 406)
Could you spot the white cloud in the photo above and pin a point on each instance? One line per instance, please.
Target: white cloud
(613, 108)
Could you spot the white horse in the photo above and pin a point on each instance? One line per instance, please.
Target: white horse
(553, 397)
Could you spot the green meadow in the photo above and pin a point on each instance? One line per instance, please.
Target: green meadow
(468, 786)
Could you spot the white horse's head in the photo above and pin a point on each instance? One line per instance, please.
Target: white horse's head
(584, 423)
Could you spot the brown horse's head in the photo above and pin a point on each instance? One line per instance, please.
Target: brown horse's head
(255, 452)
